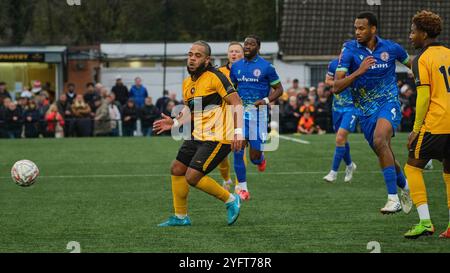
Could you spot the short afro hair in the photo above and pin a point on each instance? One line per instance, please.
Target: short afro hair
(428, 22)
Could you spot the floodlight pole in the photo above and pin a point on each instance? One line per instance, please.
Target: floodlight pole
(166, 15)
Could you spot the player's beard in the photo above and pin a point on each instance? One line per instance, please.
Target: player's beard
(197, 72)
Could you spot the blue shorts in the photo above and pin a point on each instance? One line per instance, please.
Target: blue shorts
(256, 133)
(345, 120)
(390, 111)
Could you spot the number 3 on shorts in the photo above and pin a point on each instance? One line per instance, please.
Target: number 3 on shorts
(394, 113)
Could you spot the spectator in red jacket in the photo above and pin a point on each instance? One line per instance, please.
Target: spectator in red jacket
(55, 121)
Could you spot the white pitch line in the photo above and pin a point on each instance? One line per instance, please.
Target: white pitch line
(167, 174)
(294, 140)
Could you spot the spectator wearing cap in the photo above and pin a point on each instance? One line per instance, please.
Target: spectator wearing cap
(102, 125)
(3, 92)
(138, 93)
(129, 116)
(120, 91)
(31, 120)
(37, 88)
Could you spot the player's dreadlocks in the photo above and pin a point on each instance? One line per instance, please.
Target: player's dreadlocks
(428, 22)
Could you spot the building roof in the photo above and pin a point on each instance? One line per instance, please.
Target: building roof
(319, 27)
(152, 50)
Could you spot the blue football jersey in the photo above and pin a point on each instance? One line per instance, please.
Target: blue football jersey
(253, 79)
(342, 102)
(378, 85)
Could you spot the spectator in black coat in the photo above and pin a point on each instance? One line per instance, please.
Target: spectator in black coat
(161, 103)
(129, 117)
(148, 114)
(120, 91)
(31, 120)
(14, 121)
(3, 92)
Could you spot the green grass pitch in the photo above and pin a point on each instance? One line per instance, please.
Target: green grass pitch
(110, 194)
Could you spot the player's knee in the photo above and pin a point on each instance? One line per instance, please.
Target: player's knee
(177, 169)
(193, 178)
(340, 140)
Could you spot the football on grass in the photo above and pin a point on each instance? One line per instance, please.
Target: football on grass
(24, 173)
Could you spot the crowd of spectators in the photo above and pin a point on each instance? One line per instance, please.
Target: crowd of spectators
(96, 112)
(117, 112)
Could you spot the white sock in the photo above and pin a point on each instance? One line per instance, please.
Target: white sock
(229, 181)
(181, 216)
(334, 173)
(406, 186)
(424, 213)
(393, 197)
(243, 186)
(231, 199)
(350, 166)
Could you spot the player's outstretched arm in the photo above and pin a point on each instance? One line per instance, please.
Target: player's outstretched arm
(166, 123)
(341, 81)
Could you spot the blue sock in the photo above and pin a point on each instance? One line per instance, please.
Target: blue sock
(239, 166)
(338, 155)
(401, 180)
(347, 157)
(390, 177)
(259, 161)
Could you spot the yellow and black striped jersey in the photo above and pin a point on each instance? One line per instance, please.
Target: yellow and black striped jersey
(205, 99)
(432, 67)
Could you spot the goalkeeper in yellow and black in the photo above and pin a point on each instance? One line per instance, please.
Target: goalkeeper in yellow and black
(215, 110)
(430, 138)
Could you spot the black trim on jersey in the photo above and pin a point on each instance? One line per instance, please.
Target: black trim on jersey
(415, 64)
(213, 99)
(223, 79)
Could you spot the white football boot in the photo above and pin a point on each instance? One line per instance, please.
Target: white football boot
(392, 206)
(406, 201)
(349, 172)
(331, 177)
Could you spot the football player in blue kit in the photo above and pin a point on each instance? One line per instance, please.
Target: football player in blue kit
(254, 78)
(344, 123)
(367, 66)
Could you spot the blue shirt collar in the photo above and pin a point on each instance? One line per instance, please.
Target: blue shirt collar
(379, 42)
(254, 60)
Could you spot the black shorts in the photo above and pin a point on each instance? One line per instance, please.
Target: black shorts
(203, 156)
(429, 146)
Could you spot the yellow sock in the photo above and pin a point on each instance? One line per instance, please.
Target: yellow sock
(416, 185)
(210, 186)
(447, 183)
(224, 168)
(180, 191)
